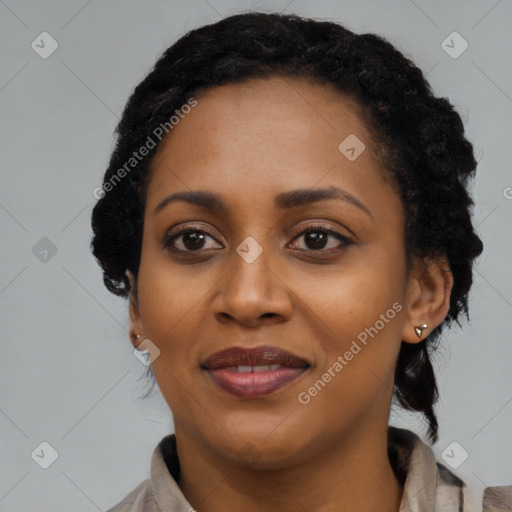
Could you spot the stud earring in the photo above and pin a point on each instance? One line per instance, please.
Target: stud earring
(419, 329)
(140, 345)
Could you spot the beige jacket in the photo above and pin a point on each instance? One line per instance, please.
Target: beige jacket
(429, 486)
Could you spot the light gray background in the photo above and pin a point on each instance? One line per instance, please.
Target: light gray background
(68, 373)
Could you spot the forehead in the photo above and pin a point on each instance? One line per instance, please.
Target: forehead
(276, 105)
(264, 136)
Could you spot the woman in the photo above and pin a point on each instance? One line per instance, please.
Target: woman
(286, 209)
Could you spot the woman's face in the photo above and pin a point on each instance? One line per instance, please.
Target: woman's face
(250, 277)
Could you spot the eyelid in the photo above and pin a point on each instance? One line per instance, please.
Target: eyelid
(318, 226)
(170, 236)
(322, 226)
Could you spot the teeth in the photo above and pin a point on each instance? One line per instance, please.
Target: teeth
(258, 368)
(261, 368)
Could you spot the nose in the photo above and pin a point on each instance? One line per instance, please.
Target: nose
(252, 293)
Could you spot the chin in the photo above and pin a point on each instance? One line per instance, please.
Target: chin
(262, 451)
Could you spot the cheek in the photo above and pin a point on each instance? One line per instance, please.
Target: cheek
(171, 304)
(357, 296)
(172, 312)
(360, 309)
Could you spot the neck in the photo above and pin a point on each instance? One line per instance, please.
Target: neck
(355, 474)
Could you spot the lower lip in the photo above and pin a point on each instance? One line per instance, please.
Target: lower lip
(254, 384)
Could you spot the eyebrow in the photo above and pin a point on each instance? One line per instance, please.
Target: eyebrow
(284, 200)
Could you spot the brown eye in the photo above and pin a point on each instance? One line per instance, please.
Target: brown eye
(316, 238)
(188, 240)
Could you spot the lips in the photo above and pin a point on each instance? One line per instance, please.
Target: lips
(256, 356)
(255, 372)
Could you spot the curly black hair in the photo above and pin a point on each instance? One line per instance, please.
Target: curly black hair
(419, 140)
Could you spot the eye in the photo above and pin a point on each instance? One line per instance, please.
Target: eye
(316, 239)
(191, 239)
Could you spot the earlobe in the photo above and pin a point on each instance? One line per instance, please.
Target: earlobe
(136, 329)
(429, 298)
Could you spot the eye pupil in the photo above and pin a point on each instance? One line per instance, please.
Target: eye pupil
(196, 238)
(317, 238)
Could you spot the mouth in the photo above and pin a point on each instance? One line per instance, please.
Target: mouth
(255, 372)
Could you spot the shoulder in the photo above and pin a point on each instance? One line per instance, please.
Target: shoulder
(430, 483)
(454, 494)
(140, 499)
(161, 491)
(497, 499)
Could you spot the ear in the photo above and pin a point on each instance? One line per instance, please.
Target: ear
(135, 319)
(428, 297)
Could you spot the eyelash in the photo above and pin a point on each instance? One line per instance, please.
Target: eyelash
(345, 241)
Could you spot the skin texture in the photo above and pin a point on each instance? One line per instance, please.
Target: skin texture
(248, 142)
